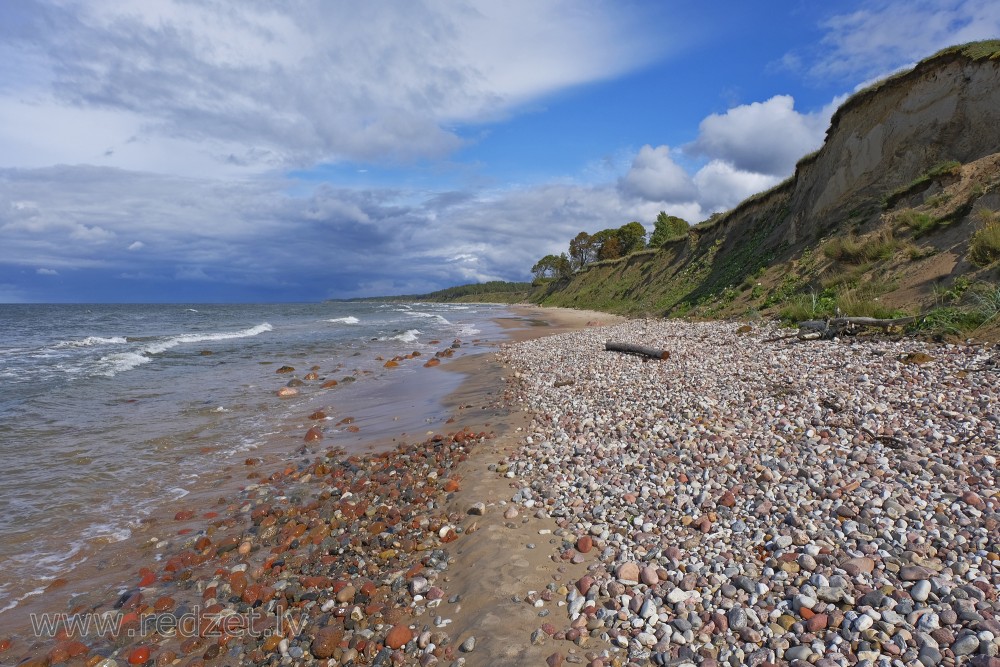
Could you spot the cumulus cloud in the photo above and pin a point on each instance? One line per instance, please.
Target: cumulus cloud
(762, 137)
(889, 34)
(230, 86)
(655, 176)
(722, 186)
(47, 272)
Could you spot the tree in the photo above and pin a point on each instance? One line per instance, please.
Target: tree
(611, 248)
(546, 267)
(631, 237)
(581, 250)
(666, 228)
(605, 244)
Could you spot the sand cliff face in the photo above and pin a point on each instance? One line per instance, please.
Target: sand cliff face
(943, 110)
(932, 131)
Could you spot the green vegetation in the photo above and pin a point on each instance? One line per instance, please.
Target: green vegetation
(984, 246)
(552, 266)
(668, 228)
(859, 250)
(919, 223)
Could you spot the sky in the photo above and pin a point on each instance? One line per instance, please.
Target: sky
(254, 151)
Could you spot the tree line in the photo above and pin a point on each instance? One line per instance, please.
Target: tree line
(610, 243)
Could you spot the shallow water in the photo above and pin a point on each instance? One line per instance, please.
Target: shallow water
(108, 412)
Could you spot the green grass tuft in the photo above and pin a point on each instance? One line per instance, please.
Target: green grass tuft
(984, 246)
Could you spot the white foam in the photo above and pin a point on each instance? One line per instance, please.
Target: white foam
(408, 336)
(113, 364)
(13, 603)
(169, 343)
(345, 320)
(178, 492)
(91, 341)
(439, 318)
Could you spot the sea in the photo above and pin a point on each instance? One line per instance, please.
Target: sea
(109, 413)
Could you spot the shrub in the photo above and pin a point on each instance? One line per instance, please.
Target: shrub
(919, 223)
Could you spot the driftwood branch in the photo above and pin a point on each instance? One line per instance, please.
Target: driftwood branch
(640, 350)
(826, 329)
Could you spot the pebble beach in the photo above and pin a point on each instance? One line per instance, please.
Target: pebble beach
(747, 501)
(758, 502)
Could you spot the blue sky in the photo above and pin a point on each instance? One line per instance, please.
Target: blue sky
(238, 150)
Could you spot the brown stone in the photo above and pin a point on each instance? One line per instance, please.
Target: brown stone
(398, 636)
(328, 384)
(319, 414)
(285, 369)
(628, 571)
(327, 641)
(855, 566)
(585, 544)
(313, 434)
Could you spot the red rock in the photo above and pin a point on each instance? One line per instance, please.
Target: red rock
(451, 486)
(728, 499)
(584, 583)
(163, 603)
(56, 583)
(285, 369)
(139, 655)
(328, 384)
(238, 583)
(77, 649)
(817, 623)
(972, 498)
(184, 515)
(432, 362)
(58, 654)
(313, 434)
(311, 376)
(327, 641)
(398, 636)
(391, 364)
(4, 644)
(554, 660)
(585, 544)
(287, 391)
(319, 414)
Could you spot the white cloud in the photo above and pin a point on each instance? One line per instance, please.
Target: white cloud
(888, 34)
(655, 176)
(721, 186)
(764, 137)
(136, 245)
(229, 86)
(47, 272)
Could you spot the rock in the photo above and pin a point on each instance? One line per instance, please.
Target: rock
(139, 655)
(913, 573)
(628, 572)
(965, 645)
(398, 636)
(313, 434)
(817, 623)
(554, 660)
(468, 646)
(648, 576)
(478, 509)
(856, 566)
(921, 590)
(285, 369)
(327, 641)
(584, 544)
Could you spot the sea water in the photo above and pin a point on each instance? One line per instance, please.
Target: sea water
(108, 412)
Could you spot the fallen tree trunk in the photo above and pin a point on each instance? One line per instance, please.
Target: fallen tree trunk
(826, 329)
(640, 350)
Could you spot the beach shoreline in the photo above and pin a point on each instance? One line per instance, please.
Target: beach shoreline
(217, 509)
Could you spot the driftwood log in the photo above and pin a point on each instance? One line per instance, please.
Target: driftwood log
(640, 350)
(827, 329)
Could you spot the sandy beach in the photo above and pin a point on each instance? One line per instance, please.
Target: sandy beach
(746, 501)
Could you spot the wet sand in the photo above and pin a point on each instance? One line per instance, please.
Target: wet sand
(489, 564)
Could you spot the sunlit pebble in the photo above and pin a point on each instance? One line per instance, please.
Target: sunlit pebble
(775, 479)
